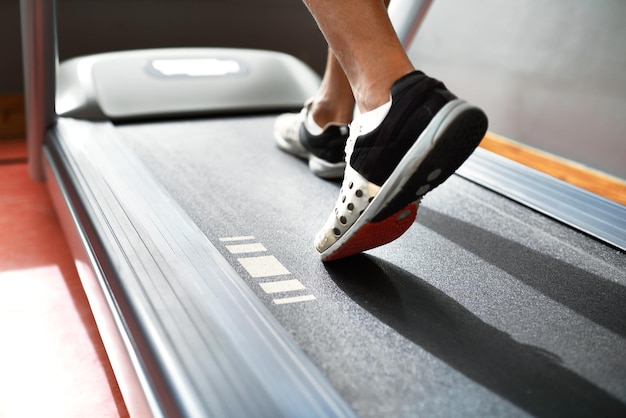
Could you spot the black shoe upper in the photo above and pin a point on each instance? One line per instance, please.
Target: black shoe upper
(416, 99)
(329, 145)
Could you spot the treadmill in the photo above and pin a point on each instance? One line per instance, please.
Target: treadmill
(192, 236)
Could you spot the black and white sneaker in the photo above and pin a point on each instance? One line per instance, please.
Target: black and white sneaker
(396, 154)
(324, 151)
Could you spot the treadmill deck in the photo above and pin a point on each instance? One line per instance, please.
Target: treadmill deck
(483, 307)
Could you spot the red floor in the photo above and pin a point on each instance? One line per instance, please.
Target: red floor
(52, 362)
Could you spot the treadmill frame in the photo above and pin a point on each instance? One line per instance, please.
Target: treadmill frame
(149, 377)
(151, 373)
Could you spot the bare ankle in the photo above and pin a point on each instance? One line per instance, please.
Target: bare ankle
(376, 92)
(325, 112)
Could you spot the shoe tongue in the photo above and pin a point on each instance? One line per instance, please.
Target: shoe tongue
(369, 121)
(365, 123)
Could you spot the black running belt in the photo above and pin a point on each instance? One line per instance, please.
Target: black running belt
(483, 308)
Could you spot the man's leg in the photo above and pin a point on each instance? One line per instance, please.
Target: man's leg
(312, 134)
(411, 135)
(320, 131)
(334, 102)
(365, 44)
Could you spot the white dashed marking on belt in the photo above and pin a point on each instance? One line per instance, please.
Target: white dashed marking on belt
(266, 266)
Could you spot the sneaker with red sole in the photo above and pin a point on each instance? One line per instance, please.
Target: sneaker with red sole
(394, 156)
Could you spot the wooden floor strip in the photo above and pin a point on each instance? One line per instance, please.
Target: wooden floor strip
(12, 149)
(12, 116)
(576, 174)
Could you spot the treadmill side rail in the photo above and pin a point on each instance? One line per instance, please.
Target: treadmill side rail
(204, 344)
(580, 209)
(79, 234)
(40, 60)
(407, 17)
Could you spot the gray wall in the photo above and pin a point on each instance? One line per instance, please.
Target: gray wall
(551, 74)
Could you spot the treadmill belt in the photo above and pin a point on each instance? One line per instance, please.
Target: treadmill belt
(483, 308)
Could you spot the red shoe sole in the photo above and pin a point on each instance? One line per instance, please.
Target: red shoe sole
(375, 234)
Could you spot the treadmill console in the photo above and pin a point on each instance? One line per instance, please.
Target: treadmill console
(175, 82)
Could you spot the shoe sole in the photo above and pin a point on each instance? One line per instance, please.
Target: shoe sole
(324, 169)
(289, 148)
(373, 234)
(448, 140)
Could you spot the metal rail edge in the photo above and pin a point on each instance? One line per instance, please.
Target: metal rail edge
(580, 209)
(203, 342)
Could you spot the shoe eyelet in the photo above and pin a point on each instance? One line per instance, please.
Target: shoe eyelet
(359, 193)
(350, 207)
